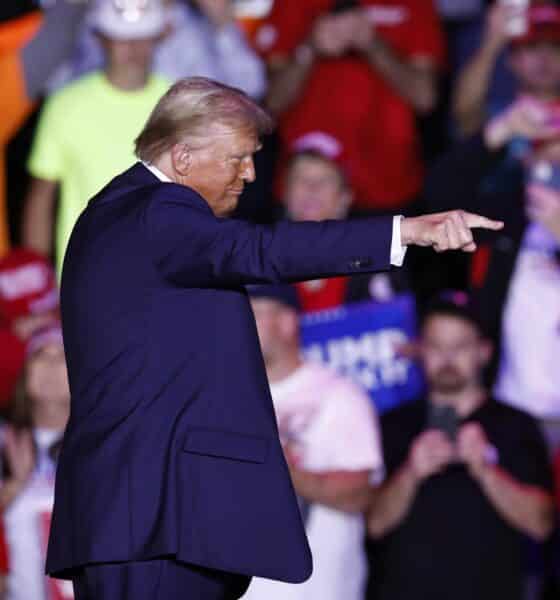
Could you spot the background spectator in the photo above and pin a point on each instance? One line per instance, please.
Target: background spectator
(86, 131)
(484, 88)
(317, 189)
(515, 274)
(202, 39)
(356, 72)
(31, 439)
(467, 478)
(28, 303)
(330, 437)
(32, 43)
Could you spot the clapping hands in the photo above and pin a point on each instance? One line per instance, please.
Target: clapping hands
(334, 35)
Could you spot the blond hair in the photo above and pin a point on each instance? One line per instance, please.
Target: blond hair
(188, 110)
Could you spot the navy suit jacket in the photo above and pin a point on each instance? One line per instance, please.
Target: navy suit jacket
(172, 446)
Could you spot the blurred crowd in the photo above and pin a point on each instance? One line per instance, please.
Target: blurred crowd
(381, 106)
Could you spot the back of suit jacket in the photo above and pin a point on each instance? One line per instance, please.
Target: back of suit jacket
(172, 446)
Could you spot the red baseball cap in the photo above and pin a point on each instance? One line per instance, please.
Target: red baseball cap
(543, 25)
(28, 285)
(324, 145)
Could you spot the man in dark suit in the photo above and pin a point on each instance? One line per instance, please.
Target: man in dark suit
(172, 483)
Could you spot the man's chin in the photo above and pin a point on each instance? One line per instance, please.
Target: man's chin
(228, 207)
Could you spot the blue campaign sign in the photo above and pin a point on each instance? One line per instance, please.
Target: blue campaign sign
(362, 340)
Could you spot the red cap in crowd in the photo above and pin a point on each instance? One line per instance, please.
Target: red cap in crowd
(27, 285)
(325, 145)
(543, 25)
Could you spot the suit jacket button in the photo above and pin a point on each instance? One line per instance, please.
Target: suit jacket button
(361, 263)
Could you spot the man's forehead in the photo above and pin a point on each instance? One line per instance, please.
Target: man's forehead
(445, 324)
(240, 136)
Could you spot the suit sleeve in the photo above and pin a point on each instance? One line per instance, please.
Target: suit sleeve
(191, 247)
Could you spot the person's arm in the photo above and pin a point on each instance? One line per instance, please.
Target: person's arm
(20, 458)
(455, 180)
(329, 37)
(415, 79)
(471, 88)
(190, 246)
(38, 216)
(390, 504)
(348, 491)
(287, 78)
(525, 507)
(529, 508)
(10, 489)
(430, 453)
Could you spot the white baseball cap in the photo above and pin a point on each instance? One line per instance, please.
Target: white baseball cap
(128, 19)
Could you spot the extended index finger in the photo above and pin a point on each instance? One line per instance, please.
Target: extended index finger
(474, 221)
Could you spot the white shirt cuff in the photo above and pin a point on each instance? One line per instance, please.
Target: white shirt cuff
(398, 251)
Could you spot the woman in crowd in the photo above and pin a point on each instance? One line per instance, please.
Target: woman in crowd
(30, 439)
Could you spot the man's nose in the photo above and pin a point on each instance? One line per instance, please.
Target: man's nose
(248, 173)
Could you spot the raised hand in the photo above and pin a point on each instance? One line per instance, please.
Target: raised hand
(527, 118)
(445, 231)
(498, 22)
(430, 453)
(332, 35)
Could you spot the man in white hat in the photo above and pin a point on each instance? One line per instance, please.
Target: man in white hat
(85, 132)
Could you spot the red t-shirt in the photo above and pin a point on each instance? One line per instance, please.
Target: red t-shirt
(348, 100)
(320, 294)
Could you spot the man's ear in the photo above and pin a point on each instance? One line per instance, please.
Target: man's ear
(181, 157)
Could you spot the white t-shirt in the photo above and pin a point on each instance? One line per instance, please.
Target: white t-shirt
(529, 377)
(332, 425)
(26, 521)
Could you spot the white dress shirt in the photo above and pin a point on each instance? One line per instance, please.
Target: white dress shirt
(398, 251)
